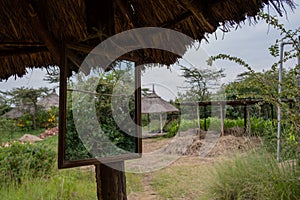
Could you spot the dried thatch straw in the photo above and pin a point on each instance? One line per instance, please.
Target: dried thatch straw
(32, 31)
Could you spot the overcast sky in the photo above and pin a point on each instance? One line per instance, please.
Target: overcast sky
(248, 42)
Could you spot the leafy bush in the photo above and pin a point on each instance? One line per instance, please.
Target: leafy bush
(172, 130)
(254, 177)
(25, 160)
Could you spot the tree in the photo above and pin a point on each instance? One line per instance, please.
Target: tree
(200, 81)
(4, 104)
(264, 85)
(52, 75)
(25, 99)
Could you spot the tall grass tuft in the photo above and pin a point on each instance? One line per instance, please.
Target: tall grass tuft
(254, 177)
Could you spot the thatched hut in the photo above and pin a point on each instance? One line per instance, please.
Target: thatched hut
(153, 103)
(51, 100)
(35, 33)
(13, 113)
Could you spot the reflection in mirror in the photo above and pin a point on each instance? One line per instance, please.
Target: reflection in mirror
(101, 113)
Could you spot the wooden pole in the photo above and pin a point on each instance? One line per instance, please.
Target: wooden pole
(111, 181)
(205, 116)
(98, 181)
(245, 118)
(248, 122)
(222, 118)
(160, 119)
(148, 121)
(198, 118)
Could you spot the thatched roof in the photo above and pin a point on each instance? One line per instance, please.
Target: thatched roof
(45, 102)
(155, 104)
(32, 31)
(48, 101)
(13, 114)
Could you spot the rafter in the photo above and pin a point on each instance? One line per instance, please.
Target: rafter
(22, 51)
(177, 20)
(35, 11)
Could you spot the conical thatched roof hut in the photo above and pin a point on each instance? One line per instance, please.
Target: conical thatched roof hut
(45, 102)
(13, 114)
(32, 31)
(48, 101)
(155, 104)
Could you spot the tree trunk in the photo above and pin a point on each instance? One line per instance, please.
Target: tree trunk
(111, 183)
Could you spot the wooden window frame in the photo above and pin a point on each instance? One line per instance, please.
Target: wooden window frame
(62, 162)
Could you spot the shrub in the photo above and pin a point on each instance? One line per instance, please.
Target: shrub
(254, 177)
(172, 130)
(20, 161)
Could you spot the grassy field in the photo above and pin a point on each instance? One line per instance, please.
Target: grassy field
(245, 176)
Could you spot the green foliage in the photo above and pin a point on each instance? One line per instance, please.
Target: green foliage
(172, 129)
(7, 129)
(264, 85)
(199, 81)
(25, 160)
(25, 99)
(65, 184)
(254, 176)
(102, 136)
(4, 105)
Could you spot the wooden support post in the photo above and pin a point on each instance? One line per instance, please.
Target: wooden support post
(148, 121)
(160, 119)
(245, 118)
(248, 123)
(222, 118)
(198, 118)
(205, 116)
(98, 181)
(111, 183)
(179, 120)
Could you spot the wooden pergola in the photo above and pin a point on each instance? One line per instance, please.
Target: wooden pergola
(222, 103)
(37, 34)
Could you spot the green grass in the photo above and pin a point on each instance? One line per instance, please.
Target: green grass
(180, 182)
(254, 176)
(7, 135)
(63, 184)
(134, 183)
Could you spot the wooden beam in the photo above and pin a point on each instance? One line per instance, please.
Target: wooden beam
(20, 44)
(39, 23)
(22, 51)
(124, 10)
(88, 49)
(177, 20)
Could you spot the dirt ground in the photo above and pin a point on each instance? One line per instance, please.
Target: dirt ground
(192, 149)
